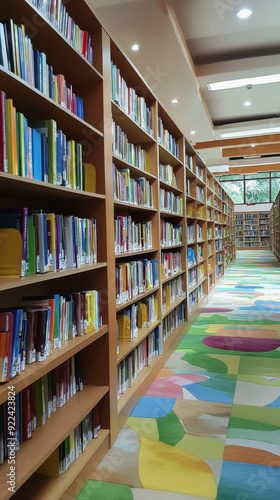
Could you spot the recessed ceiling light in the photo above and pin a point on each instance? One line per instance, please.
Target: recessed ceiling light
(249, 133)
(174, 101)
(253, 145)
(247, 103)
(192, 132)
(244, 82)
(219, 168)
(244, 13)
(135, 47)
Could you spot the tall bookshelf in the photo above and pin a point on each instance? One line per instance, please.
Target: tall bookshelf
(275, 227)
(252, 230)
(189, 218)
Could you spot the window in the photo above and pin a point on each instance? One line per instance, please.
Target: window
(261, 187)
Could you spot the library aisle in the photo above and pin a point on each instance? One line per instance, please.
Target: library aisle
(209, 424)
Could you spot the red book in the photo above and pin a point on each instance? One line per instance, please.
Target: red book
(26, 413)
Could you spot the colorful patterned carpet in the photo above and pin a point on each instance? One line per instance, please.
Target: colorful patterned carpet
(209, 425)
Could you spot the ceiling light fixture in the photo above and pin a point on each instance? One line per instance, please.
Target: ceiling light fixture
(247, 103)
(219, 168)
(192, 132)
(244, 13)
(174, 101)
(244, 82)
(249, 133)
(135, 47)
(253, 145)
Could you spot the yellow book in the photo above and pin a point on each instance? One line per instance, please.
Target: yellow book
(167, 295)
(90, 327)
(143, 323)
(93, 309)
(90, 177)
(147, 162)
(124, 325)
(73, 164)
(11, 131)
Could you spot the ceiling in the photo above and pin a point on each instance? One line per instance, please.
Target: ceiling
(186, 44)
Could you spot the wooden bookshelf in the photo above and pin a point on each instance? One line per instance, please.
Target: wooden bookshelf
(178, 178)
(252, 230)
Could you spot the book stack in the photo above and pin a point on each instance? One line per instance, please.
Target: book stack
(167, 175)
(199, 232)
(171, 234)
(37, 402)
(71, 448)
(199, 172)
(51, 242)
(132, 365)
(218, 232)
(139, 315)
(131, 236)
(191, 236)
(135, 191)
(134, 278)
(57, 14)
(218, 245)
(189, 162)
(171, 203)
(38, 150)
(31, 332)
(199, 253)
(170, 264)
(127, 151)
(200, 194)
(171, 291)
(19, 57)
(192, 277)
(174, 319)
(200, 272)
(167, 140)
(128, 100)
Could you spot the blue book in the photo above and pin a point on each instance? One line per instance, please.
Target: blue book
(36, 68)
(51, 90)
(17, 336)
(21, 53)
(37, 155)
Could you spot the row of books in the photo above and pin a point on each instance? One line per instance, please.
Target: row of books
(50, 242)
(131, 236)
(170, 234)
(171, 263)
(134, 278)
(167, 175)
(128, 100)
(192, 277)
(39, 151)
(191, 234)
(219, 270)
(173, 320)
(199, 253)
(169, 202)
(171, 291)
(218, 232)
(55, 11)
(199, 193)
(71, 448)
(247, 227)
(195, 297)
(219, 259)
(136, 191)
(251, 233)
(201, 212)
(200, 272)
(218, 245)
(251, 216)
(210, 215)
(199, 172)
(189, 162)
(167, 140)
(131, 153)
(39, 325)
(37, 402)
(17, 55)
(139, 315)
(132, 365)
(188, 187)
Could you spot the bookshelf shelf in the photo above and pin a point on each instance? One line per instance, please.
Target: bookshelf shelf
(127, 396)
(34, 452)
(137, 172)
(172, 306)
(11, 283)
(126, 347)
(39, 369)
(35, 104)
(132, 207)
(136, 299)
(134, 132)
(165, 280)
(174, 334)
(41, 487)
(133, 254)
(166, 157)
(170, 188)
(80, 70)
(163, 213)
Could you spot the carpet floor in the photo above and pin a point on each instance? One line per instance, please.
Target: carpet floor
(209, 424)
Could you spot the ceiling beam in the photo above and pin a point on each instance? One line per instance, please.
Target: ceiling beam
(249, 151)
(250, 169)
(222, 143)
